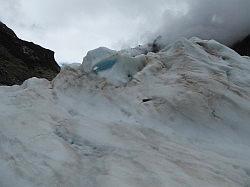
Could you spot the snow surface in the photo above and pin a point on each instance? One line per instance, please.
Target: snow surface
(93, 129)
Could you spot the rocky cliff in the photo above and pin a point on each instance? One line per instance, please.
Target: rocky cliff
(243, 47)
(20, 60)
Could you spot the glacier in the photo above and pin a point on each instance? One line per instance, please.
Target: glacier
(178, 117)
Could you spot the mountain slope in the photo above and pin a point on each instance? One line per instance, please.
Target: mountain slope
(181, 120)
(20, 60)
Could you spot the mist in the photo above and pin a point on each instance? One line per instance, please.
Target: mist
(73, 27)
(226, 21)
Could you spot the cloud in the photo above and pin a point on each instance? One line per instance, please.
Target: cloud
(224, 20)
(72, 27)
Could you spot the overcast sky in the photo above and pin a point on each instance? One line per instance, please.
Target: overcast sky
(72, 27)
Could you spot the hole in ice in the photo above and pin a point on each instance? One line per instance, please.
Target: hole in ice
(146, 100)
(104, 65)
(225, 58)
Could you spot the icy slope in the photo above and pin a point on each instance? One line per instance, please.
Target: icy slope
(181, 119)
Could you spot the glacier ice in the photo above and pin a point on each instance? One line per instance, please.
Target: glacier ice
(94, 57)
(117, 67)
(93, 129)
(120, 69)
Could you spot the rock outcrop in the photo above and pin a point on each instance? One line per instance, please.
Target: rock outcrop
(21, 60)
(243, 47)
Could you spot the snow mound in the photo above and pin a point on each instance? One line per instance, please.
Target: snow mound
(179, 117)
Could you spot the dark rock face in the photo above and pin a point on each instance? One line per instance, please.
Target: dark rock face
(21, 60)
(243, 47)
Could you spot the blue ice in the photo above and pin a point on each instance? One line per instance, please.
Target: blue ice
(104, 65)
